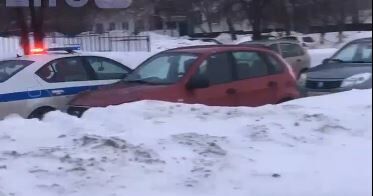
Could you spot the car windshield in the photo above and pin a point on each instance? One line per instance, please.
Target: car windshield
(355, 53)
(166, 68)
(11, 67)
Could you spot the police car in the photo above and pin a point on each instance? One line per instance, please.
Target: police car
(36, 84)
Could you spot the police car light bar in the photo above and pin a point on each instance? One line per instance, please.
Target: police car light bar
(70, 49)
(37, 51)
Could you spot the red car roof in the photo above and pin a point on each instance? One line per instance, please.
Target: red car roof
(203, 49)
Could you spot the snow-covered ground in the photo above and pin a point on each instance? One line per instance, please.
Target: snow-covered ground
(315, 146)
(332, 39)
(318, 55)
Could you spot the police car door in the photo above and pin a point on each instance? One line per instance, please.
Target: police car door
(63, 79)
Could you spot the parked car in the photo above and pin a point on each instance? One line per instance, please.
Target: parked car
(36, 84)
(210, 75)
(297, 56)
(350, 68)
(305, 41)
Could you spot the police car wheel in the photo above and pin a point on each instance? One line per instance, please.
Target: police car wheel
(40, 113)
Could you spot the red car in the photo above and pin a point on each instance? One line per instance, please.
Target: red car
(210, 75)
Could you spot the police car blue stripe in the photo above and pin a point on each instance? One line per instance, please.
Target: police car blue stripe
(37, 94)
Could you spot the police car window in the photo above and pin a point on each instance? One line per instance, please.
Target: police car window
(64, 70)
(12, 67)
(106, 69)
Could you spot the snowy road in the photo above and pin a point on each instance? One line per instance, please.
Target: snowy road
(316, 146)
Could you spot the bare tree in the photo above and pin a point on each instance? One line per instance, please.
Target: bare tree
(206, 9)
(37, 23)
(24, 31)
(254, 11)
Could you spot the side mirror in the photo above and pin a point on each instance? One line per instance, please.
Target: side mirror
(198, 82)
(325, 61)
(123, 76)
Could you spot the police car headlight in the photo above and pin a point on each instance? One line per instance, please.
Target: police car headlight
(356, 80)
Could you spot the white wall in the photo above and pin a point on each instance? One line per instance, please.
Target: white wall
(9, 47)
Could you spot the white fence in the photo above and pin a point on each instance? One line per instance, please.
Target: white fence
(10, 46)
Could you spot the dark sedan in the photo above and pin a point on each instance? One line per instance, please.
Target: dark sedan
(350, 68)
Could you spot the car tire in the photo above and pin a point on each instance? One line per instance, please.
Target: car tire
(40, 113)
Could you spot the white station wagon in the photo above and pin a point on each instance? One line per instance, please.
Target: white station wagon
(34, 85)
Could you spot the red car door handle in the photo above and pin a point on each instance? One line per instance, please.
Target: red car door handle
(272, 84)
(231, 91)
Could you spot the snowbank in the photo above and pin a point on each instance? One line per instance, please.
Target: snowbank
(316, 146)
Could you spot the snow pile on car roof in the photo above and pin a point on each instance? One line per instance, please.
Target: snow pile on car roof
(315, 146)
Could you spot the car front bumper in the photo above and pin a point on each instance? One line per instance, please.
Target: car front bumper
(319, 92)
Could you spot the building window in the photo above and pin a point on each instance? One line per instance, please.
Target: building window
(140, 26)
(125, 26)
(171, 25)
(112, 26)
(99, 28)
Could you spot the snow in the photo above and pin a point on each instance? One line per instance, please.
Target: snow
(130, 59)
(332, 38)
(318, 55)
(162, 42)
(314, 146)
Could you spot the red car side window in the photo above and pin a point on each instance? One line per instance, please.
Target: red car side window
(250, 65)
(218, 69)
